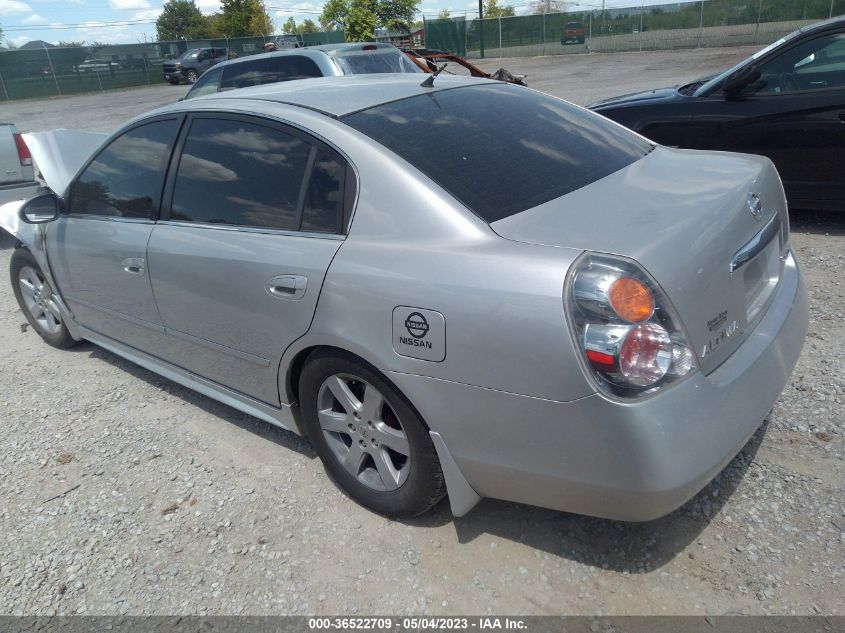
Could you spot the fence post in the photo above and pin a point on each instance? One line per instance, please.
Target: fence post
(830, 15)
(3, 83)
(544, 31)
(480, 29)
(500, 37)
(759, 14)
(53, 71)
(590, 39)
(640, 34)
(701, 24)
(146, 69)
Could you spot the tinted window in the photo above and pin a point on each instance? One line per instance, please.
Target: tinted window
(206, 85)
(233, 172)
(501, 149)
(266, 70)
(323, 209)
(816, 64)
(125, 179)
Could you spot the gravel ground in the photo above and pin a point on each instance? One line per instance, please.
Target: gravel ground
(123, 493)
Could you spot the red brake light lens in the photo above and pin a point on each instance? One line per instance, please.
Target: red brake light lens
(23, 151)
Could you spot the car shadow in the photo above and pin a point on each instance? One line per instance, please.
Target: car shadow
(634, 548)
(264, 430)
(817, 222)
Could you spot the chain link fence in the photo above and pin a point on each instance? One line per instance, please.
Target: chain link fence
(704, 23)
(28, 73)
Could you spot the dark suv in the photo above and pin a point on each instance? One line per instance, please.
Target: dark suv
(192, 64)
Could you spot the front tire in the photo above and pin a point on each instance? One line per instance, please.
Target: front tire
(191, 76)
(37, 300)
(368, 436)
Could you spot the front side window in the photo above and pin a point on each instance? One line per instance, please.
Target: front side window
(238, 173)
(205, 85)
(126, 178)
(498, 148)
(267, 70)
(817, 64)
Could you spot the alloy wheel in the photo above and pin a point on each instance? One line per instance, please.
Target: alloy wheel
(363, 432)
(39, 301)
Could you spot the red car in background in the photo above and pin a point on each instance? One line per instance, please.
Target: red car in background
(573, 32)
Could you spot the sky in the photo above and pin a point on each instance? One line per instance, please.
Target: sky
(132, 21)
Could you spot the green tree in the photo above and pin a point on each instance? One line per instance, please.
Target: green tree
(361, 21)
(289, 27)
(493, 10)
(307, 27)
(396, 15)
(444, 14)
(334, 14)
(181, 18)
(243, 18)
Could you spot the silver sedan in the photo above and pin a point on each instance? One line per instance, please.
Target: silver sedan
(469, 288)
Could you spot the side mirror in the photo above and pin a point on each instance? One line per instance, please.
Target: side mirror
(739, 79)
(40, 209)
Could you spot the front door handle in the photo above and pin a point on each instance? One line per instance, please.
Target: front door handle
(287, 286)
(842, 116)
(133, 265)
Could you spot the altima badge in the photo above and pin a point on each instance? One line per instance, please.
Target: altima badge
(755, 205)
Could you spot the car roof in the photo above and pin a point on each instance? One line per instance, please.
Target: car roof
(335, 96)
(312, 52)
(824, 24)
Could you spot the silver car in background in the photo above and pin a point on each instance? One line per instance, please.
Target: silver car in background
(328, 60)
(471, 288)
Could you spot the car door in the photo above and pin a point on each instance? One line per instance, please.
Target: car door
(255, 216)
(97, 248)
(794, 114)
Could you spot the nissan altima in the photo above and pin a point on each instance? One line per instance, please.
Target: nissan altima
(466, 288)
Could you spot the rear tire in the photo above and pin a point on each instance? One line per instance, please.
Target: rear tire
(37, 300)
(368, 436)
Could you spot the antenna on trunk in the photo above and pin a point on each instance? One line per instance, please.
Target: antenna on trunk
(429, 81)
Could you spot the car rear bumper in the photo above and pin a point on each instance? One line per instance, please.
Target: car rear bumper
(629, 461)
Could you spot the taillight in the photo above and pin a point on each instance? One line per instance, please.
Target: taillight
(631, 338)
(23, 151)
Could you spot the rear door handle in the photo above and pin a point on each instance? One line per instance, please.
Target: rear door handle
(287, 287)
(133, 265)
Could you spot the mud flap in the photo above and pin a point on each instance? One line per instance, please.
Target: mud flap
(462, 498)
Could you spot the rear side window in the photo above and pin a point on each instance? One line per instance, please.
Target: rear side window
(206, 85)
(323, 208)
(501, 149)
(126, 178)
(239, 173)
(266, 70)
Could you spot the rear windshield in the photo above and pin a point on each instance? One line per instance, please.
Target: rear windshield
(501, 149)
(365, 62)
(268, 70)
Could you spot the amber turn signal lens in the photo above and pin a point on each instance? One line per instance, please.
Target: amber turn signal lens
(631, 299)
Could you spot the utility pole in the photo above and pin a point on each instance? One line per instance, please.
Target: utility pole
(481, 27)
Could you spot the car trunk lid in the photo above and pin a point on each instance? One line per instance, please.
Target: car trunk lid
(686, 217)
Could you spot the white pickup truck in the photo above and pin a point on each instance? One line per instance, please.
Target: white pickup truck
(17, 174)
